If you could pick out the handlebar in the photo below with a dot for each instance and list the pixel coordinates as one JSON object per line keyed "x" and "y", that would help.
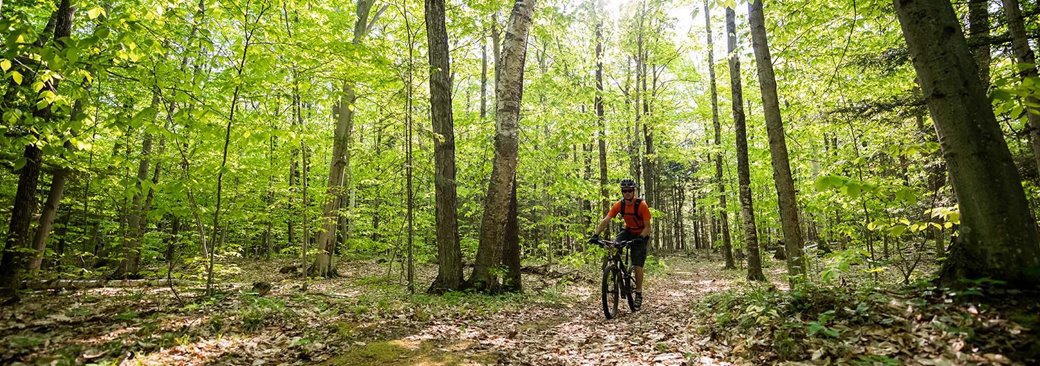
{"x": 610, "y": 243}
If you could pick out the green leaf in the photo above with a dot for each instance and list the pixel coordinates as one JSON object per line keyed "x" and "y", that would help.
{"x": 828, "y": 181}
{"x": 852, "y": 189}
{"x": 897, "y": 230}
{"x": 19, "y": 163}
{"x": 5, "y": 64}
{"x": 95, "y": 12}
{"x": 145, "y": 114}
{"x": 1000, "y": 94}
{"x": 833, "y": 333}
{"x": 16, "y": 77}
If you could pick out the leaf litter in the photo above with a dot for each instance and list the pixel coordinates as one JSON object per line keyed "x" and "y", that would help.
{"x": 694, "y": 313}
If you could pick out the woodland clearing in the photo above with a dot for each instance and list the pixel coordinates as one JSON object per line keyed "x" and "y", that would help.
{"x": 695, "y": 313}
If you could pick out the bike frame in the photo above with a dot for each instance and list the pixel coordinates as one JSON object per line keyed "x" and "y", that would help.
{"x": 618, "y": 253}
{"x": 618, "y": 256}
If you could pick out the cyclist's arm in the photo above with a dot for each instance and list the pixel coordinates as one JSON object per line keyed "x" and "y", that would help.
{"x": 646, "y": 230}
{"x": 603, "y": 224}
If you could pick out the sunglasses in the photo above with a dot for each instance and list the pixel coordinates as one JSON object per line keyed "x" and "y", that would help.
{"x": 627, "y": 190}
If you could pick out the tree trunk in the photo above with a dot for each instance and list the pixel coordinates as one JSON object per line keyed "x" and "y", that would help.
{"x": 305, "y": 184}
{"x": 598, "y": 105}
{"x": 408, "y": 138}
{"x": 483, "y": 74}
{"x": 132, "y": 242}
{"x": 339, "y": 164}
{"x": 978, "y": 28}
{"x": 509, "y": 92}
{"x": 747, "y": 210}
{"x": 50, "y": 210}
{"x": 449, "y": 253}
{"x": 649, "y": 182}
{"x": 997, "y": 238}
{"x": 785, "y": 191}
{"x": 323, "y": 262}
{"x": 294, "y": 176}
{"x": 637, "y": 155}
{"x": 18, "y": 240}
{"x": 727, "y": 243}
{"x": 511, "y": 242}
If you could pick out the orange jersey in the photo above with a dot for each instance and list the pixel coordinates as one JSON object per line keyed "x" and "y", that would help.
{"x": 633, "y": 225}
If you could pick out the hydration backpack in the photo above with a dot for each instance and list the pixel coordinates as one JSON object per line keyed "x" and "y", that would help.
{"x": 639, "y": 220}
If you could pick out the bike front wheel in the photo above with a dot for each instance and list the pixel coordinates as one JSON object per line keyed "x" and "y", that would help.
{"x": 611, "y": 290}
{"x": 627, "y": 291}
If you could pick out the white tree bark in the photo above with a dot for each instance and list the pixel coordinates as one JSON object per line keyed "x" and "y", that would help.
{"x": 508, "y": 91}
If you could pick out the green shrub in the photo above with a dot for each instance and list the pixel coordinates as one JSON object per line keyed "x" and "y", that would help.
{"x": 258, "y": 312}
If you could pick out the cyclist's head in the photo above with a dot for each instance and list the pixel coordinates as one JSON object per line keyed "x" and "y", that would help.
{"x": 628, "y": 186}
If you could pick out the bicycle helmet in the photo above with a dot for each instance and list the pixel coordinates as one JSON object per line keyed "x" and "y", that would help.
{"x": 628, "y": 183}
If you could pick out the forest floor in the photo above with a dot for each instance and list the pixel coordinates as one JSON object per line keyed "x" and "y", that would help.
{"x": 693, "y": 313}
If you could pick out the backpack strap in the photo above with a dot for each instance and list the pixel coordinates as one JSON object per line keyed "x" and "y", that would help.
{"x": 638, "y": 204}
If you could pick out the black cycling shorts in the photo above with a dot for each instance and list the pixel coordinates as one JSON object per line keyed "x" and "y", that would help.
{"x": 638, "y": 246}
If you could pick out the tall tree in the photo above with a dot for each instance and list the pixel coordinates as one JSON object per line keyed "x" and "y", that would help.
{"x": 508, "y": 95}
{"x": 131, "y": 250}
{"x": 727, "y": 244}
{"x": 58, "y": 179}
{"x": 649, "y": 156}
{"x": 598, "y": 104}
{"x": 637, "y": 142}
{"x": 340, "y": 162}
{"x": 449, "y": 253}
{"x": 998, "y": 237}
{"x": 249, "y": 30}
{"x": 777, "y": 143}
{"x": 17, "y": 244}
{"x": 747, "y": 211}
{"x": 409, "y": 92}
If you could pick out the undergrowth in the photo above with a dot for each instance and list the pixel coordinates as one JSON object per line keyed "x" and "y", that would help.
{"x": 872, "y": 326}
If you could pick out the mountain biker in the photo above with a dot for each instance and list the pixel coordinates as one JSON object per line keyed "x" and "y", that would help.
{"x": 636, "y": 214}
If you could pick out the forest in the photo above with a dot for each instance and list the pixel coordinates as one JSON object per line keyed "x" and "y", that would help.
{"x": 400, "y": 182}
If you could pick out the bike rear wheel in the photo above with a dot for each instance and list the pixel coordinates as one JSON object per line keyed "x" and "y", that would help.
{"x": 611, "y": 290}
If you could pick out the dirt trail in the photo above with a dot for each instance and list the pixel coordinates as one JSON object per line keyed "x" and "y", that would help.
{"x": 578, "y": 334}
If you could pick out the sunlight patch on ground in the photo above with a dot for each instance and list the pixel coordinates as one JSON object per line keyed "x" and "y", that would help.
{"x": 202, "y": 351}
{"x": 410, "y": 351}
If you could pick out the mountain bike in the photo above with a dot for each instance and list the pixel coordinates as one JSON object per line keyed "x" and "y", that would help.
{"x": 617, "y": 277}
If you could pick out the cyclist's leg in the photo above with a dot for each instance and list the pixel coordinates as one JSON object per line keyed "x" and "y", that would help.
{"x": 638, "y": 259}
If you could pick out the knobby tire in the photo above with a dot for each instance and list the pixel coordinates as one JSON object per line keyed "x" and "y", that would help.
{"x": 611, "y": 291}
